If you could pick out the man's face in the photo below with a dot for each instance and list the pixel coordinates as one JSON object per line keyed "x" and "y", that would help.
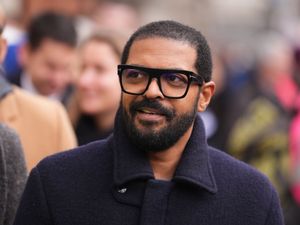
{"x": 154, "y": 122}
{"x": 50, "y": 66}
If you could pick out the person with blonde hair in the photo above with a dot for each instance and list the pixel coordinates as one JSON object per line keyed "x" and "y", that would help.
{"x": 97, "y": 95}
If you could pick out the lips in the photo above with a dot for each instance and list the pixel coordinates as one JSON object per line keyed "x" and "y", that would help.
{"x": 149, "y": 116}
{"x": 150, "y": 111}
{"x": 150, "y": 108}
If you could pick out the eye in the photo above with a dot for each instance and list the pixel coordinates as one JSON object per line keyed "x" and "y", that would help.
{"x": 134, "y": 75}
{"x": 175, "y": 79}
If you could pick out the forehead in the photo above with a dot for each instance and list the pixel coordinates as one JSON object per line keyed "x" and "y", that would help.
{"x": 96, "y": 45}
{"x": 52, "y": 47}
{"x": 98, "y": 53}
{"x": 49, "y": 44}
{"x": 160, "y": 52}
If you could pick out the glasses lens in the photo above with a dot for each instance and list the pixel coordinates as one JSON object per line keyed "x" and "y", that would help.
{"x": 134, "y": 81}
{"x": 174, "y": 84}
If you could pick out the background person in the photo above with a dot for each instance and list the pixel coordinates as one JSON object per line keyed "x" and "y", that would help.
{"x": 259, "y": 134}
{"x": 97, "y": 88}
{"x": 42, "y": 125}
{"x": 47, "y": 57}
{"x": 12, "y": 174}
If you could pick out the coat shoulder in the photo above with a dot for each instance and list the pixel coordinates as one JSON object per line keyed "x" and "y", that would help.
{"x": 39, "y": 103}
{"x": 236, "y": 178}
{"x": 249, "y": 190}
{"x": 92, "y": 156}
{"x": 226, "y": 168}
{"x": 45, "y": 113}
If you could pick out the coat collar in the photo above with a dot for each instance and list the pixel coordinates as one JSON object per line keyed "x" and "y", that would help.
{"x": 5, "y": 87}
{"x": 132, "y": 164}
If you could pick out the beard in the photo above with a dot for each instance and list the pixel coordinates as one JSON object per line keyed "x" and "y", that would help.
{"x": 150, "y": 140}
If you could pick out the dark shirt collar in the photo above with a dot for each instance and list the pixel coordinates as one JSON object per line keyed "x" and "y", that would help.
{"x": 194, "y": 167}
{"x": 5, "y": 87}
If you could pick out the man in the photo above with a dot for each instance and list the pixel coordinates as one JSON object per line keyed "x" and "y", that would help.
{"x": 42, "y": 125}
{"x": 48, "y": 56}
{"x": 156, "y": 168}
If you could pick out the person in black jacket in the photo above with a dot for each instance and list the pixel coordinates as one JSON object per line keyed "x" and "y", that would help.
{"x": 156, "y": 167}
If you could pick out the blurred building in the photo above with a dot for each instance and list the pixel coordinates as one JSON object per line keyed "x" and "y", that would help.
{"x": 232, "y": 19}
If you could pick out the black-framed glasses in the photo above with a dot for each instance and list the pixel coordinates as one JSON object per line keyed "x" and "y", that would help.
{"x": 172, "y": 83}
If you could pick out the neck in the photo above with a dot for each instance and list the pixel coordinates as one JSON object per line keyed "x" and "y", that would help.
{"x": 165, "y": 163}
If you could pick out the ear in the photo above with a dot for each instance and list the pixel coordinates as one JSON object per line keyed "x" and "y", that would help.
{"x": 206, "y": 93}
{"x": 3, "y": 49}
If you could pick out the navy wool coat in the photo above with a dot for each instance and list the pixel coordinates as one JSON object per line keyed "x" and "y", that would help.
{"x": 110, "y": 182}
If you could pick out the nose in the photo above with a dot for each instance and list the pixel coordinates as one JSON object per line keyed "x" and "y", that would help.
{"x": 85, "y": 79}
{"x": 153, "y": 90}
{"x": 60, "y": 78}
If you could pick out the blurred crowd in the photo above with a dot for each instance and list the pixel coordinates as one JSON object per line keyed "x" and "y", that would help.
{"x": 59, "y": 88}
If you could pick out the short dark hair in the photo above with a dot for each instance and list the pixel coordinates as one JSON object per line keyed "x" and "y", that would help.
{"x": 54, "y": 26}
{"x": 176, "y": 31}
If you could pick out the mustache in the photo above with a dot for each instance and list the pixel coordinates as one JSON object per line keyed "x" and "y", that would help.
{"x": 135, "y": 106}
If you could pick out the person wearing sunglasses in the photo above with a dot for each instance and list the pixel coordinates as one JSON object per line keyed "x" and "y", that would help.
{"x": 156, "y": 167}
